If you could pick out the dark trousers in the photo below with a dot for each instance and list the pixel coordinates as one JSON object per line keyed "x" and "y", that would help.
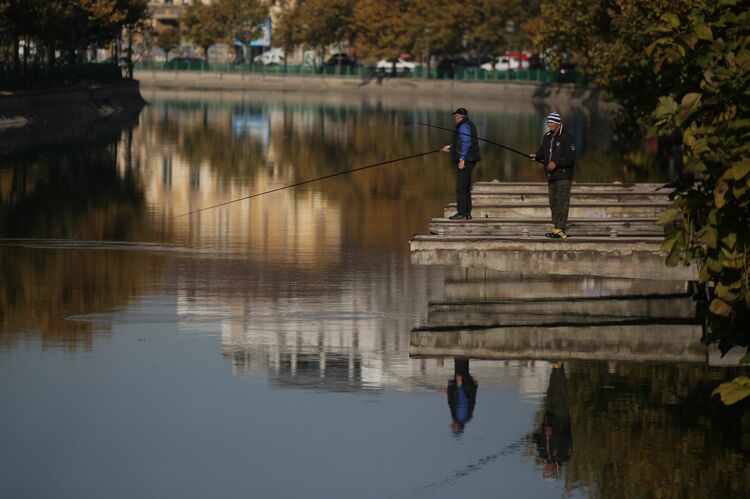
{"x": 463, "y": 188}
{"x": 559, "y": 202}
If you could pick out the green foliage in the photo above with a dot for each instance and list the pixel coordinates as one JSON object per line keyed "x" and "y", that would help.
{"x": 703, "y": 55}
{"x": 169, "y": 39}
{"x": 607, "y": 39}
{"x": 70, "y": 26}
{"x": 222, "y": 21}
{"x": 382, "y": 31}
{"x": 325, "y": 22}
{"x": 734, "y": 391}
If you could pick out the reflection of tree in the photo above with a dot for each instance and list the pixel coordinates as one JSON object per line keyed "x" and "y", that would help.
{"x": 74, "y": 193}
{"x": 654, "y": 431}
{"x": 41, "y": 289}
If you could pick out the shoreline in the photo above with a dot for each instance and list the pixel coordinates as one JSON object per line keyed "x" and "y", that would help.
{"x": 44, "y": 117}
{"x": 65, "y": 105}
{"x": 567, "y": 94}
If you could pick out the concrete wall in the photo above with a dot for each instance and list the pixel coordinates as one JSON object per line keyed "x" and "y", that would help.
{"x": 61, "y": 115}
{"x": 566, "y": 94}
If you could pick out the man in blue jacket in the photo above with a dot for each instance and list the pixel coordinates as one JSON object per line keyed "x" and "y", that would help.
{"x": 464, "y": 150}
{"x": 558, "y": 154}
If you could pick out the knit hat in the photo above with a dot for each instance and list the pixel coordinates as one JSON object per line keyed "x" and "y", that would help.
{"x": 461, "y": 111}
{"x": 554, "y": 118}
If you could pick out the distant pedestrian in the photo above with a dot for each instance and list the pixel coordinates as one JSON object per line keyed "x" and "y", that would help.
{"x": 464, "y": 150}
{"x": 558, "y": 153}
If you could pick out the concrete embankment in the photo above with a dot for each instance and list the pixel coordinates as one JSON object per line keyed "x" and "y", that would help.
{"x": 62, "y": 115}
{"x": 507, "y": 90}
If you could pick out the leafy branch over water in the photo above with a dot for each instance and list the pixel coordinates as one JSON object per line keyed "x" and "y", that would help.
{"x": 706, "y": 57}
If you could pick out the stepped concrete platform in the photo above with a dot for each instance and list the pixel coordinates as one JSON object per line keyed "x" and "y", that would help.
{"x": 553, "y": 310}
{"x": 577, "y": 210}
{"x": 496, "y": 186}
{"x": 523, "y": 227}
{"x": 626, "y": 342}
{"x": 542, "y": 196}
{"x": 499, "y": 287}
{"x": 638, "y": 258}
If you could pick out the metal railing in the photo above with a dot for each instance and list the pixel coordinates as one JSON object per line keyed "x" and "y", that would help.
{"x": 530, "y": 75}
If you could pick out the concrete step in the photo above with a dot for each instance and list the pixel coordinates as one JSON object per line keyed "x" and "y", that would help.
{"x": 497, "y": 186}
{"x": 542, "y": 196}
{"x": 513, "y": 287}
{"x": 638, "y": 258}
{"x": 623, "y": 342}
{"x": 612, "y": 227}
{"x": 542, "y": 210}
{"x": 560, "y": 311}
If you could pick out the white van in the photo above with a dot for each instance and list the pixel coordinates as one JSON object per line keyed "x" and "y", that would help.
{"x": 271, "y": 56}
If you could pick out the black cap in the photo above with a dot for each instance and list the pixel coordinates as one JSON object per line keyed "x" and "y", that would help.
{"x": 461, "y": 111}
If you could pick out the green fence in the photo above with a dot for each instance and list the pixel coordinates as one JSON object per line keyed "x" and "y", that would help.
{"x": 531, "y": 75}
{"x": 35, "y": 77}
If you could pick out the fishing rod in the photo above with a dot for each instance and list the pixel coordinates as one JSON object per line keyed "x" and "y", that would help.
{"x": 404, "y": 158}
{"x": 475, "y": 137}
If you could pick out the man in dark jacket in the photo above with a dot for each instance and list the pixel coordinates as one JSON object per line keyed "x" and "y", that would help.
{"x": 464, "y": 151}
{"x": 558, "y": 154}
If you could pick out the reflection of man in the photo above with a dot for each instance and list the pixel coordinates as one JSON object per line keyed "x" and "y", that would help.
{"x": 554, "y": 441}
{"x": 462, "y": 395}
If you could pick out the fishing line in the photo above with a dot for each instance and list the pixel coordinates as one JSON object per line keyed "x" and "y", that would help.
{"x": 310, "y": 181}
{"x": 476, "y": 137}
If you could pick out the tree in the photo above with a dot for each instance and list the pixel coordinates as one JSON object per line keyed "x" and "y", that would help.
{"x": 223, "y": 21}
{"x": 435, "y": 27}
{"x": 381, "y": 30}
{"x": 168, "y": 40}
{"x": 492, "y": 26}
{"x": 240, "y": 18}
{"x": 326, "y": 22}
{"x": 202, "y": 26}
{"x": 607, "y": 40}
{"x": 703, "y": 57}
{"x": 288, "y": 32}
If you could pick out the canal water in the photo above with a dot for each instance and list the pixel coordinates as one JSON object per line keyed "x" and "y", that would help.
{"x": 262, "y": 348}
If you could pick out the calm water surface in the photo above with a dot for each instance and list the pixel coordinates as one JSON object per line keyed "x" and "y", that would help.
{"x": 261, "y": 349}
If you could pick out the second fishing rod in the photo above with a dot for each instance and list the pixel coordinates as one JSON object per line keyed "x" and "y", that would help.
{"x": 502, "y": 146}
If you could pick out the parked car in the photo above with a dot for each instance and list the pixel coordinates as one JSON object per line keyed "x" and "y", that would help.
{"x": 505, "y": 63}
{"x": 402, "y": 66}
{"x": 340, "y": 60}
{"x": 186, "y": 63}
{"x": 270, "y": 57}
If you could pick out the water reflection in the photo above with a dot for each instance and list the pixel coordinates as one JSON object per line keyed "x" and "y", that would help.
{"x": 462, "y": 394}
{"x": 306, "y": 297}
{"x": 553, "y": 440}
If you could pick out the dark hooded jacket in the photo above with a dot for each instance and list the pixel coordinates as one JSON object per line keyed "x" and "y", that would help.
{"x": 561, "y": 149}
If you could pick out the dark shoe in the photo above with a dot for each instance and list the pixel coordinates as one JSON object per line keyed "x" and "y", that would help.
{"x": 457, "y": 216}
{"x": 468, "y": 217}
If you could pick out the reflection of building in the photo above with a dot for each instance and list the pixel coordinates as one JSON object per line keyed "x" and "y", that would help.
{"x": 187, "y": 169}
